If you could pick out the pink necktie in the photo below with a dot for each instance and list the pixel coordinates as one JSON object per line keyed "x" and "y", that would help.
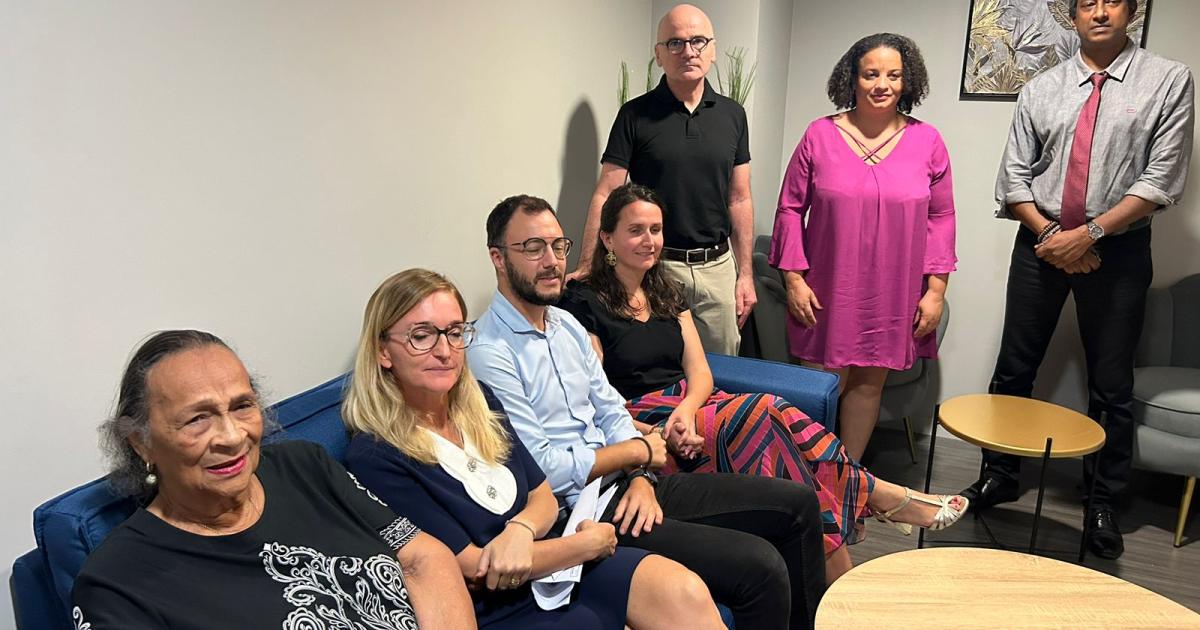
{"x": 1074, "y": 194}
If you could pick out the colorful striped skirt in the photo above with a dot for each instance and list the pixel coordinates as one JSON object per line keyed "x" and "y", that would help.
{"x": 765, "y": 435}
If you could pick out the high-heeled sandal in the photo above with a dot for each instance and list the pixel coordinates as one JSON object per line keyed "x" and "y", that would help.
{"x": 946, "y": 515}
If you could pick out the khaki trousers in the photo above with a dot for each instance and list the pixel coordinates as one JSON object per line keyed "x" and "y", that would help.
{"x": 709, "y": 291}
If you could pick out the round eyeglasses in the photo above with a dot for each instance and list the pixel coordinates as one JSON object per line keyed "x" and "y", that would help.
{"x": 535, "y": 248}
{"x": 423, "y": 337}
{"x": 676, "y": 46}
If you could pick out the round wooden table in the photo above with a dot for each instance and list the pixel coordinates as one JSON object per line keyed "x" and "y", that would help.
{"x": 1018, "y": 426}
{"x": 959, "y": 587}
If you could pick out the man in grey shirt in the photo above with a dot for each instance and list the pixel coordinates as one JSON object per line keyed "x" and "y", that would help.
{"x": 1098, "y": 144}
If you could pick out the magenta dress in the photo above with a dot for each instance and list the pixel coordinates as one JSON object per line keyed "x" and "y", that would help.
{"x": 873, "y": 233}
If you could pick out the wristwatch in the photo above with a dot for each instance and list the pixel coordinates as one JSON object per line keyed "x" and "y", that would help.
{"x": 1095, "y": 231}
{"x": 642, "y": 472}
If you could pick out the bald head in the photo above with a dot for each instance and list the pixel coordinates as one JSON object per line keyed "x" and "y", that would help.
{"x": 685, "y": 22}
{"x": 684, "y": 16}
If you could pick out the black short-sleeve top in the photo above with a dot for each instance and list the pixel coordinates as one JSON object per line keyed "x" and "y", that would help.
{"x": 687, "y": 157}
{"x": 639, "y": 357}
{"x": 437, "y": 503}
{"x": 322, "y": 555}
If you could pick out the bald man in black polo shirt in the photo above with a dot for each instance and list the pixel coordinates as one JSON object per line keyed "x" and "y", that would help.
{"x": 692, "y": 146}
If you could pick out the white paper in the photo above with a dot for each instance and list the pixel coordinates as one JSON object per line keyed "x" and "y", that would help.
{"x": 554, "y": 590}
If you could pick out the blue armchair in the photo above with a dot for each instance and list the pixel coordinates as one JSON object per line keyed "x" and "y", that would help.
{"x": 68, "y": 527}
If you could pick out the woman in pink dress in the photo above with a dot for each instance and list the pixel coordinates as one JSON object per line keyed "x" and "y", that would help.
{"x": 866, "y": 276}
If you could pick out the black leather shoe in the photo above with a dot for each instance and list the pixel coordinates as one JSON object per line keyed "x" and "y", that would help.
{"x": 991, "y": 490}
{"x": 1103, "y": 537}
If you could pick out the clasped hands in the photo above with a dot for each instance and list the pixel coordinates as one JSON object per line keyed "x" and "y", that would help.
{"x": 1069, "y": 250}
{"x": 506, "y": 561}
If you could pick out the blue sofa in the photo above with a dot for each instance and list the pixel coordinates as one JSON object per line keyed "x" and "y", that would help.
{"x": 68, "y": 527}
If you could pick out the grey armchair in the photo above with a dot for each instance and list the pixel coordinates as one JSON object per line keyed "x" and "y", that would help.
{"x": 906, "y": 394}
{"x": 1166, "y": 388}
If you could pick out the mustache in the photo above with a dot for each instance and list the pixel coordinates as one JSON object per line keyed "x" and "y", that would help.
{"x": 549, "y": 274}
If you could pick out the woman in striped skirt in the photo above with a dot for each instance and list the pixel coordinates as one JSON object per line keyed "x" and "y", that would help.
{"x": 651, "y": 352}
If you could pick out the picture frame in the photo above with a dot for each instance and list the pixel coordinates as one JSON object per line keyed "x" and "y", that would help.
{"x": 1009, "y": 42}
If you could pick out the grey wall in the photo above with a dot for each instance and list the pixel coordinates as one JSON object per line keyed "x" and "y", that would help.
{"x": 255, "y": 169}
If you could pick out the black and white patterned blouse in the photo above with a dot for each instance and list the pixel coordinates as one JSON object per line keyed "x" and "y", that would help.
{"x": 322, "y": 556}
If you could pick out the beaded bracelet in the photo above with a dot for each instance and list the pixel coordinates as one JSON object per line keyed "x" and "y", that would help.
{"x": 1051, "y": 229}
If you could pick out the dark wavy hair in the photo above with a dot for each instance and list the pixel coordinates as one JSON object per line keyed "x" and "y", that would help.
{"x": 845, "y": 73}
{"x": 1073, "y": 7}
{"x": 663, "y": 294}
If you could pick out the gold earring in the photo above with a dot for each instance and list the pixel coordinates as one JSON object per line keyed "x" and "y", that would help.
{"x": 610, "y": 258}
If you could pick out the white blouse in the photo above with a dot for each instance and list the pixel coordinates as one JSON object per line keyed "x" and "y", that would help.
{"x": 492, "y": 486}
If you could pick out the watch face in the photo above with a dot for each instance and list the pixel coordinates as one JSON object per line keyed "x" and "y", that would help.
{"x": 1095, "y": 231}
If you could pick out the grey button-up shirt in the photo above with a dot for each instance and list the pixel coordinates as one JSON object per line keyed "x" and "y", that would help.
{"x": 1142, "y": 142}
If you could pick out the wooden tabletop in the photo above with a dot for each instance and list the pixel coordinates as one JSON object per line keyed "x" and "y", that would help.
{"x": 964, "y": 588}
{"x": 1020, "y": 426}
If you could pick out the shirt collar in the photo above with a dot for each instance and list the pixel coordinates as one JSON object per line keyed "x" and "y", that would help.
{"x": 515, "y": 321}
{"x": 1116, "y": 69}
{"x": 663, "y": 93}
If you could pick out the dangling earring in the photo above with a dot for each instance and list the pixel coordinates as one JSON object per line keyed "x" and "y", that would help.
{"x": 151, "y": 478}
{"x": 610, "y": 258}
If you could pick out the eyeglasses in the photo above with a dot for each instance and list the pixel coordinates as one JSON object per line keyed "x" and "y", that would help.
{"x": 423, "y": 337}
{"x": 698, "y": 43}
{"x": 535, "y": 248}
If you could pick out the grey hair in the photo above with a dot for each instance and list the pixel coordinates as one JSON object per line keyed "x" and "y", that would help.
{"x": 131, "y": 417}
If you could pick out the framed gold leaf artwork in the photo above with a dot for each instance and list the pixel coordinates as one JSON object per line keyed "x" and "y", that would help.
{"x": 1011, "y": 41}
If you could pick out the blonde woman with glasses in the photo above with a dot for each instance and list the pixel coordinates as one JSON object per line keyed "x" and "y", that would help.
{"x": 430, "y": 438}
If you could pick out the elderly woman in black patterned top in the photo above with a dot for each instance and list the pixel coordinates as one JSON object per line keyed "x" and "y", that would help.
{"x": 238, "y": 535}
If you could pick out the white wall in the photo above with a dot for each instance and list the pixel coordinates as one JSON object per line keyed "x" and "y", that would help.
{"x": 975, "y": 133}
{"x": 256, "y": 169}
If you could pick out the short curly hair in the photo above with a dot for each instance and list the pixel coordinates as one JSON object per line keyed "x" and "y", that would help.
{"x": 1073, "y": 7}
{"x": 842, "y": 80}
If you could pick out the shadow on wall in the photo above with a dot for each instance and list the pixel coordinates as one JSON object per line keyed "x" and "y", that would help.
{"x": 1176, "y": 247}
{"x": 580, "y": 167}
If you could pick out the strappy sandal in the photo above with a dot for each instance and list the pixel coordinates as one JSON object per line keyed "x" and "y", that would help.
{"x": 946, "y": 515}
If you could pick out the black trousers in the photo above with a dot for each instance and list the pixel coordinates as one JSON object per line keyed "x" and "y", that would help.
{"x": 755, "y": 541}
{"x": 1110, "y": 304}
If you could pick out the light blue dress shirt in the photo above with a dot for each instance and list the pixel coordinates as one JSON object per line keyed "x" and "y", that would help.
{"x": 553, "y": 389}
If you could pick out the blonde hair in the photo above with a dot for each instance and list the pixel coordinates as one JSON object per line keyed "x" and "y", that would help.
{"x": 375, "y": 402}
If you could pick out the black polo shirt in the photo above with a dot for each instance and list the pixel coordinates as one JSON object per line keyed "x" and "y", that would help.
{"x": 686, "y": 157}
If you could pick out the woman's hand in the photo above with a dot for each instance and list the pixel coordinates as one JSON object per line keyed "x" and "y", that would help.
{"x": 638, "y": 512}
{"x": 599, "y": 539}
{"x": 507, "y": 560}
{"x": 802, "y": 302}
{"x": 929, "y": 313}
{"x": 680, "y": 433}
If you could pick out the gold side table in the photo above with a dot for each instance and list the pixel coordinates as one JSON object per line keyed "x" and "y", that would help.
{"x": 1019, "y": 426}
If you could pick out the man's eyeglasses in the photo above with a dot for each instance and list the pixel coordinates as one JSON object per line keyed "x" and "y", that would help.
{"x": 535, "y": 248}
{"x": 423, "y": 337}
{"x": 676, "y": 46}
